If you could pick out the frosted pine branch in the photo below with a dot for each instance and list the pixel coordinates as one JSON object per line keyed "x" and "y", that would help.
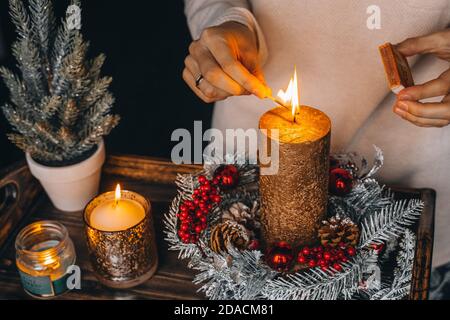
{"x": 389, "y": 222}
{"x": 316, "y": 284}
{"x": 21, "y": 19}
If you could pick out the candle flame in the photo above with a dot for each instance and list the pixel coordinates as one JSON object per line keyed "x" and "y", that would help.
{"x": 118, "y": 194}
{"x": 291, "y": 96}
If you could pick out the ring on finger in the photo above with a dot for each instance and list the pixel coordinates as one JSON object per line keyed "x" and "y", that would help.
{"x": 198, "y": 80}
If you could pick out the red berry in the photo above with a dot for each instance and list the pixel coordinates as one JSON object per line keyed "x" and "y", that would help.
{"x": 322, "y": 263}
{"x": 201, "y": 179}
{"x": 327, "y": 256}
{"x": 337, "y": 267}
{"x": 198, "y": 229}
{"x": 342, "y": 245}
{"x": 344, "y": 259}
{"x": 319, "y": 255}
{"x": 351, "y": 251}
{"x": 319, "y": 249}
{"x": 203, "y": 219}
{"x": 254, "y": 245}
{"x": 184, "y": 216}
{"x": 301, "y": 259}
{"x": 184, "y": 227}
{"x": 324, "y": 268}
{"x": 216, "y": 180}
{"x": 199, "y": 213}
{"x": 217, "y": 199}
{"x": 206, "y": 188}
{"x": 312, "y": 263}
{"x": 205, "y": 198}
{"x": 306, "y": 251}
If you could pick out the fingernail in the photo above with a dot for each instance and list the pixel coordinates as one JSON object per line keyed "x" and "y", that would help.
{"x": 404, "y": 97}
{"x": 400, "y": 112}
{"x": 402, "y": 105}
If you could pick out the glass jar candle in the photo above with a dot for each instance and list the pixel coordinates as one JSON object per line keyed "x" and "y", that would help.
{"x": 44, "y": 252}
{"x": 121, "y": 238}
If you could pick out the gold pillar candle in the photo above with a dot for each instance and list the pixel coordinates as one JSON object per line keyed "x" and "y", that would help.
{"x": 121, "y": 238}
{"x": 294, "y": 200}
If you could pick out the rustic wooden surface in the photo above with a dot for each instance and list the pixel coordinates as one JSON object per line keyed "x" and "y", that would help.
{"x": 26, "y": 203}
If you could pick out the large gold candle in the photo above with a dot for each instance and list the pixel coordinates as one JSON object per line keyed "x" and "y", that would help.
{"x": 294, "y": 200}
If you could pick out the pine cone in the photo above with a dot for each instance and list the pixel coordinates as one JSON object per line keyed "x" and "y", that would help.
{"x": 228, "y": 233}
{"x": 337, "y": 230}
{"x": 240, "y": 213}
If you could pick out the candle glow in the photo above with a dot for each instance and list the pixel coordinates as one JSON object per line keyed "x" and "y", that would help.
{"x": 118, "y": 213}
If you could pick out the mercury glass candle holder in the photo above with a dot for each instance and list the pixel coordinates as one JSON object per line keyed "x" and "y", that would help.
{"x": 126, "y": 258}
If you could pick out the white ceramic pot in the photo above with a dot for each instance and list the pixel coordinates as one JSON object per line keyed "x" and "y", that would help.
{"x": 71, "y": 188}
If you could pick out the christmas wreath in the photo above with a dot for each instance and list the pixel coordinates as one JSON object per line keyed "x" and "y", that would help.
{"x": 214, "y": 222}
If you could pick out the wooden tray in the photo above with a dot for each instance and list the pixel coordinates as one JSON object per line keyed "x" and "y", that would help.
{"x": 22, "y": 201}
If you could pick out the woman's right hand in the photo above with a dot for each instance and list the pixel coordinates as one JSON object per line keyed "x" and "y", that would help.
{"x": 225, "y": 60}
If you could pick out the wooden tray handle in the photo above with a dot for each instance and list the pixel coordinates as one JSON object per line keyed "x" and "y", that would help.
{"x": 9, "y": 195}
{"x": 18, "y": 193}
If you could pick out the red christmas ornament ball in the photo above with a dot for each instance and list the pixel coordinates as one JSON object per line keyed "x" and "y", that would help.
{"x": 341, "y": 182}
{"x": 280, "y": 256}
{"x": 227, "y": 176}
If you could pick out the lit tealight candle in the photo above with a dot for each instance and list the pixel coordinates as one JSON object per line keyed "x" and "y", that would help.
{"x": 117, "y": 214}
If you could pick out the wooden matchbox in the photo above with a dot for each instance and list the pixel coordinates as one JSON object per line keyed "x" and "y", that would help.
{"x": 396, "y": 67}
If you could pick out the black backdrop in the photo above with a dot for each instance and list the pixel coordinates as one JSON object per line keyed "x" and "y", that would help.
{"x": 145, "y": 43}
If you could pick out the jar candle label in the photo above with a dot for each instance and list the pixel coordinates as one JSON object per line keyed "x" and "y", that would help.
{"x": 43, "y": 286}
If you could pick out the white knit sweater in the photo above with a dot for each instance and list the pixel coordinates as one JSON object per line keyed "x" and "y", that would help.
{"x": 341, "y": 73}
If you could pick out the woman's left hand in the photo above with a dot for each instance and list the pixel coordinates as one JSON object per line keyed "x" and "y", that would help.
{"x": 408, "y": 105}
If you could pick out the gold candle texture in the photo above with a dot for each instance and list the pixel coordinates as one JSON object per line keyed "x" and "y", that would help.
{"x": 294, "y": 201}
{"x": 121, "y": 238}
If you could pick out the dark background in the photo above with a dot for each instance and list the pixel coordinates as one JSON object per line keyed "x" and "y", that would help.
{"x": 145, "y": 43}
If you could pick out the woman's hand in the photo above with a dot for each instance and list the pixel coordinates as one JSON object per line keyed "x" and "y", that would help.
{"x": 408, "y": 105}
{"x": 224, "y": 62}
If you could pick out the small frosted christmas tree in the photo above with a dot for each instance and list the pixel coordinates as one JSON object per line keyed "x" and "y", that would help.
{"x": 60, "y": 106}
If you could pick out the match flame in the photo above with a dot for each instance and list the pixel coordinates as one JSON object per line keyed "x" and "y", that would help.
{"x": 118, "y": 194}
{"x": 290, "y": 96}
